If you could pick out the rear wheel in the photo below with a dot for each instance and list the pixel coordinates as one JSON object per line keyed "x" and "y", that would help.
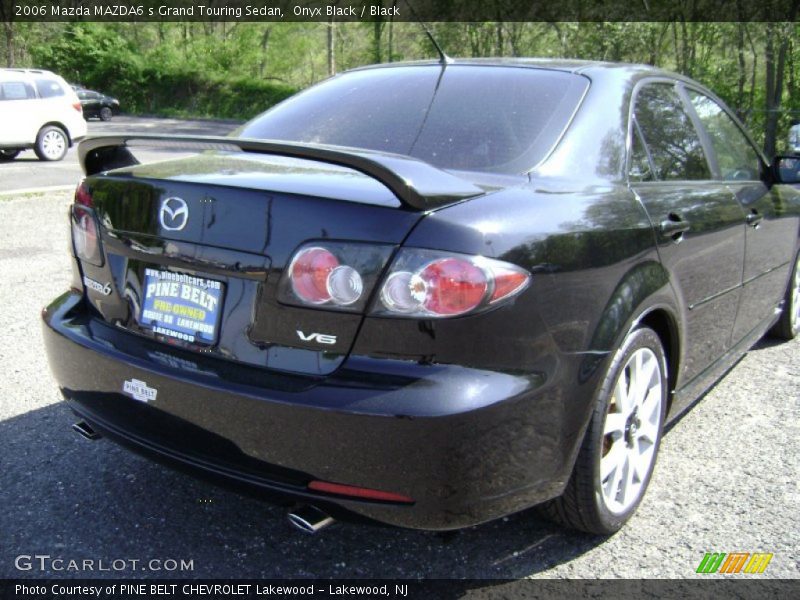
{"x": 51, "y": 143}
{"x": 6, "y": 155}
{"x": 106, "y": 114}
{"x": 788, "y": 326}
{"x": 619, "y": 450}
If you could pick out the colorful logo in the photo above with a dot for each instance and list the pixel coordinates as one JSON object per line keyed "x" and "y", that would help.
{"x": 734, "y": 562}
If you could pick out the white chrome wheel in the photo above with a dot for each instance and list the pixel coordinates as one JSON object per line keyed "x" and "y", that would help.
{"x": 631, "y": 430}
{"x": 53, "y": 144}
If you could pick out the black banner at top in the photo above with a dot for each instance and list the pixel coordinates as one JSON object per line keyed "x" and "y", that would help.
{"x": 399, "y": 10}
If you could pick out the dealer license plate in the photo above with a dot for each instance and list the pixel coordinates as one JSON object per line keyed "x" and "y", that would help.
{"x": 182, "y": 306}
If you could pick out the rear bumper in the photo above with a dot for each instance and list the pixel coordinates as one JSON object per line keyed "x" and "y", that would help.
{"x": 467, "y": 445}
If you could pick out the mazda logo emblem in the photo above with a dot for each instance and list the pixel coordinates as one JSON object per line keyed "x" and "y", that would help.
{"x": 174, "y": 214}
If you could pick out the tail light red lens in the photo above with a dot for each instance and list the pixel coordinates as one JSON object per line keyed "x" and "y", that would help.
{"x": 333, "y": 275}
{"x": 507, "y": 282}
{"x": 452, "y": 286}
{"x": 426, "y": 283}
{"x": 309, "y": 273}
{"x": 77, "y": 106}
{"x": 340, "y": 489}
{"x": 85, "y": 231}
{"x": 82, "y": 195}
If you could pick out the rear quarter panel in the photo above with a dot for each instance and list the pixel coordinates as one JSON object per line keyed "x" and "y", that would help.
{"x": 580, "y": 245}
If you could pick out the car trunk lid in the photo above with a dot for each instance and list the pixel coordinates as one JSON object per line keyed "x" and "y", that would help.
{"x": 205, "y": 240}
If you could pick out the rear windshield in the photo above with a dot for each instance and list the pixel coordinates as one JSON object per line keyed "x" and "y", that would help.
{"x": 499, "y": 119}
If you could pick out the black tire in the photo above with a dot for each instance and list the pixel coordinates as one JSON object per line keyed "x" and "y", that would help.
{"x": 584, "y": 505}
{"x": 9, "y": 154}
{"x": 51, "y": 143}
{"x": 106, "y": 113}
{"x": 788, "y": 326}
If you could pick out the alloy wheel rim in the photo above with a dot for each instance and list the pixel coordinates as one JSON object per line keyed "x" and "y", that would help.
{"x": 53, "y": 144}
{"x": 795, "y": 299}
{"x": 630, "y": 431}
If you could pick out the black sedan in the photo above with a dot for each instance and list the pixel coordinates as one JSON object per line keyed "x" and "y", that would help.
{"x": 96, "y": 105}
{"x": 428, "y": 294}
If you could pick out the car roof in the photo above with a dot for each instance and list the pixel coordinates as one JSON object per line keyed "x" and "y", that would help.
{"x": 24, "y": 73}
{"x": 592, "y": 68}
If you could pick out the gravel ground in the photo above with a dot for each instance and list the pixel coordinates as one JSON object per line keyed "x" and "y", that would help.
{"x": 727, "y": 478}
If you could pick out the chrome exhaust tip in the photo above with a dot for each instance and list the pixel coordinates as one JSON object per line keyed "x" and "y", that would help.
{"x": 309, "y": 519}
{"x": 83, "y": 428}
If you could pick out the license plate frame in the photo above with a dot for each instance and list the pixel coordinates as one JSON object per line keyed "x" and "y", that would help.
{"x": 182, "y": 306}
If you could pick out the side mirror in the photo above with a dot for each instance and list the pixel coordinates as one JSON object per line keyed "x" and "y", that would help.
{"x": 786, "y": 168}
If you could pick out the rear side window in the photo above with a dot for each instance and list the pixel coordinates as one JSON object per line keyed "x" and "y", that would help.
{"x": 736, "y": 158}
{"x": 497, "y": 119}
{"x": 49, "y": 88}
{"x": 671, "y": 139}
{"x": 640, "y": 168}
{"x": 16, "y": 90}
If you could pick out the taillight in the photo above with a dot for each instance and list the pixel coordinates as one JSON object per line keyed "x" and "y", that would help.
{"x": 77, "y": 106}
{"x": 425, "y": 283}
{"x": 333, "y": 275}
{"x": 82, "y": 194}
{"x": 451, "y": 286}
{"x": 310, "y": 272}
{"x": 85, "y": 231}
{"x": 420, "y": 283}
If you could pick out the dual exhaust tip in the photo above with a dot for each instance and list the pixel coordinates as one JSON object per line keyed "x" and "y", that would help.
{"x": 307, "y": 518}
{"x": 85, "y": 430}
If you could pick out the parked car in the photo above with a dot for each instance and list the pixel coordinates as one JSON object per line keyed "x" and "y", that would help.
{"x": 97, "y": 105}
{"x": 794, "y": 138}
{"x": 40, "y": 111}
{"x": 429, "y": 294}
{"x": 789, "y": 167}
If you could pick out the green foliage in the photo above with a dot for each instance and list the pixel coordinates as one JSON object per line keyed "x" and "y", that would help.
{"x": 239, "y": 69}
{"x": 159, "y": 82}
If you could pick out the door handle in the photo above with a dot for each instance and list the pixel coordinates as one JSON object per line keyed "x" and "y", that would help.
{"x": 754, "y": 218}
{"x": 674, "y": 227}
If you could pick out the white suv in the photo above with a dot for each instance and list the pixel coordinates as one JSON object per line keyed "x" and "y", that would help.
{"x": 38, "y": 110}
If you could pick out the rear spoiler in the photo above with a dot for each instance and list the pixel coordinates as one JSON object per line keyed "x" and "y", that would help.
{"x": 417, "y": 184}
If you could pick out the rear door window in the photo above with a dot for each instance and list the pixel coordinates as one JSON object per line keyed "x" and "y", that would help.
{"x": 16, "y": 90}
{"x": 736, "y": 157}
{"x": 49, "y": 88}
{"x": 640, "y": 168}
{"x": 672, "y": 141}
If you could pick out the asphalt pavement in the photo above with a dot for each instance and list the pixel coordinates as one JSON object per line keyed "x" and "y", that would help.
{"x": 726, "y": 479}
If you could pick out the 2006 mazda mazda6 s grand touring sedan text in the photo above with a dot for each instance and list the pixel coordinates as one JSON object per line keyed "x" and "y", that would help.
{"x": 428, "y": 294}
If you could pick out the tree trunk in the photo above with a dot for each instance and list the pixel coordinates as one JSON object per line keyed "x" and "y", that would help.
{"x": 390, "y": 40}
{"x": 331, "y": 48}
{"x": 742, "y": 79}
{"x": 9, "y": 27}
{"x": 262, "y": 63}
{"x": 775, "y": 63}
{"x": 376, "y": 41}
